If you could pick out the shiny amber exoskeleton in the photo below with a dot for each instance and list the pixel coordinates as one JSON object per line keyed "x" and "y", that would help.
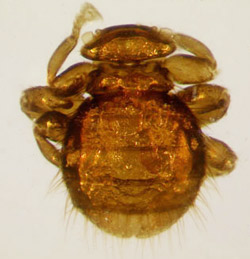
{"x": 132, "y": 155}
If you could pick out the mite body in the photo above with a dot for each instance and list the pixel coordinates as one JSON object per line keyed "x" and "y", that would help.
{"x": 133, "y": 156}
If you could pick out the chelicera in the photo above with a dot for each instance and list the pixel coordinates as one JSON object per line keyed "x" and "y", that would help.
{"x": 132, "y": 153}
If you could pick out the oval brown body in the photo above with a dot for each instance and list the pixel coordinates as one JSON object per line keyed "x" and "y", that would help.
{"x": 132, "y": 155}
{"x": 134, "y": 161}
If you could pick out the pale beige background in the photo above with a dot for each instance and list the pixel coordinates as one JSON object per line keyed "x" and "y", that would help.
{"x": 32, "y": 223}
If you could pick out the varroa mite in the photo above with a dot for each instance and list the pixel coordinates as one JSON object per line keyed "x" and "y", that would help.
{"x": 132, "y": 153}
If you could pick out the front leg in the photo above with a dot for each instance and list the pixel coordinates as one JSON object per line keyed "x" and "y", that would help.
{"x": 189, "y": 69}
{"x": 65, "y": 92}
{"x": 87, "y": 13}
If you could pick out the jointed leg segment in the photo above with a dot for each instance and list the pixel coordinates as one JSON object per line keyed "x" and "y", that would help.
{"x": 87, "y": 13}
{"x": 189, "y": 69}
{"x": 51, "y": 106}
{"x": 220, "y": 158}
{"x": 51, "y": 126}
{"x": 207, "y": 102}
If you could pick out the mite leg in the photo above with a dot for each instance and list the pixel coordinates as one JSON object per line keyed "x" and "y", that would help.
{"x": 39, "y": 100}
{"x": 87, "y": 13}
{"x": 207, "y": 102}
{"x": 65, "y": 93}
{"x": 49, "y": 127}
{"x": 189, "y": 69}
{"x": 220, "y": 158}
{"x": 74, "y": 79}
